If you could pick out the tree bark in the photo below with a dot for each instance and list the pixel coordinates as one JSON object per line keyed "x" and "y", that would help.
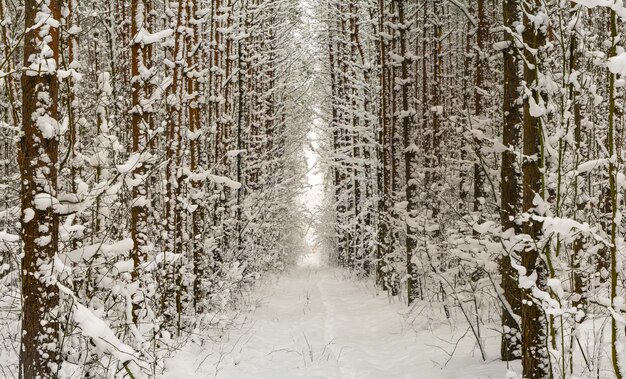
{"x": 410, "y": 156}
{"x": 38, "y": 157}
{"x": 535, "y": 359}
{"x": 139, "y": 216}
{"x": 615, "y": 333}
{"x": 510, "y": 184}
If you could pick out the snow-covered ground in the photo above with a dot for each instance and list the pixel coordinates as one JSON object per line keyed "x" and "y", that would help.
{"x": 315, "y": 322}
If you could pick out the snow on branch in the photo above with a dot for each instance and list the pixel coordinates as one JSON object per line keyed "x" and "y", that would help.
{"x": 146, "y": 38}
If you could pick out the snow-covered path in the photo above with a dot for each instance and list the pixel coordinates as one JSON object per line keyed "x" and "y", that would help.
{"x": 313, "y": 323}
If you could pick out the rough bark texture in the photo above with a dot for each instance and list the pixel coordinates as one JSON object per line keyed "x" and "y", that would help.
{"x": 482, "y": 34}
{"x": 534, "y": 340}
{"x": 615, "y": 334}
{"x": 410, "y": 158}
{"x": 385, "y": 235}
{"x": 38, "y": 156}
{"x": 510, "y": 188}
{"x": 139, "y": 217}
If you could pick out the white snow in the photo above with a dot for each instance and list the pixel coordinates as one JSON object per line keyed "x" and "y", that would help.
{"x": 485, "y": 227}
{"x": 44, "y": 201}
{"x": 226, "y": 181}
{"x": 234, "y": 153}
{"x": 110, "y": 250}
{"x": 123, "y": 266}
{"x": 6, "y": 237}
{"x": 617, "y": 6}
{"x": 536, "y": 109}
{"x": 101, "y": 335}
{"x": 617, "y": 64}
{"x": 591, "y": 165}
{"x": 153, "y": 264}
{"x": 130, "y": 164}
{"x": 316, "y": 323}
{"x": 146, "y": 38}
{"x": 29, "y": 214}
{"x": 48, "y": 126}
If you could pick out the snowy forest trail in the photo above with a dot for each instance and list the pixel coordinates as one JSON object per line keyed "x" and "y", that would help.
{"x": 316, "y": 323}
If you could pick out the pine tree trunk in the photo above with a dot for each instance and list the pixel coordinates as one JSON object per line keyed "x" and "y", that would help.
{"x": 410, "y": 157}
{"x": 38, "y": 157}
{"x": 535, "y": 359}
{"x": 139, "y": 217}
{"x": 510, "y": 184}
{"x": 172, "y": 212}
{"x": 196, "y": 161}
{"x": 482, "y": 34}
{"x": 384, "y": 239}
{"x": 615, "y": 333}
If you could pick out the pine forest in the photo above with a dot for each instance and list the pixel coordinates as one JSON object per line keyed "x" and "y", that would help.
{"x": 334, "y": 189}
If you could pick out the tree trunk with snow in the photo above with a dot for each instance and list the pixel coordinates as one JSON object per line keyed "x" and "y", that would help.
{"x": 406, "y": 116}
{"x": 139, "y": 124}
{"x": 38, "y": 158}
{"x": 535, "y": 359}
{"x": 617, "y": 330}
{"x": 510, "y": 184}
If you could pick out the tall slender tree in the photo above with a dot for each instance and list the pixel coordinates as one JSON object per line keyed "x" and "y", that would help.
{"x": 535, "y": 360}
{"x": 38, "y": 158}
{"x": 510, "y": 182}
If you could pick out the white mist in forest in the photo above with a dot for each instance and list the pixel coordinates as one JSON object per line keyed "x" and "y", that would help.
{"x": 312, "y": 198}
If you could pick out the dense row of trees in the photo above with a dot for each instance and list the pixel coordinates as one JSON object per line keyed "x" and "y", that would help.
{"x": 150, "y": 170}
{"x": 474, "y": 154}
{"x": 152, "y": 160}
